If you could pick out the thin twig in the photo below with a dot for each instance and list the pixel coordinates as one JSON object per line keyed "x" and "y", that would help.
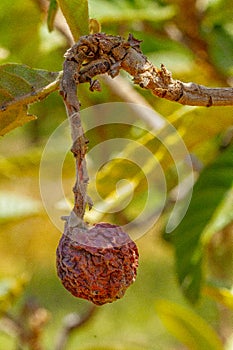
{"x": 72, "y": 322}
{"x": 27, "y": 327}
{"x": 68, "y": 90}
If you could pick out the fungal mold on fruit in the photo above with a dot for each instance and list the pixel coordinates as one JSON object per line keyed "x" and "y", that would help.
{"x": 97, "y": 264}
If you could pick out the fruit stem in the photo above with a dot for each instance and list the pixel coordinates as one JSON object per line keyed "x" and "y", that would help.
{"x": 68, "y": 90}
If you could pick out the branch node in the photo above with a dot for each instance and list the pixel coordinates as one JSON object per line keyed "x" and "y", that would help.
{"x": 101, "y": 53}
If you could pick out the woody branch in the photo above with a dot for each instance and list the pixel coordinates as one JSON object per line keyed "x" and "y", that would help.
{"x": 100, "y": 53}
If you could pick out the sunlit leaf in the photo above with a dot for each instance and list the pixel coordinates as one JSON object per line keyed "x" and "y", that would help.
{"x": 208, "y": 194}
{"x": 221, "y": 295}
{"x": 20, "y": 86}
{"x": 76, "y": 15}
{"x": 189, "y": 328}
{"x": 14, "y": 117}
{"x": 223, "y": 216}
{"x": 196, "y": 130}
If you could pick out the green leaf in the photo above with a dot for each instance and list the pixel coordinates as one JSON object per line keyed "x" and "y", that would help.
{"x": 189, "y": 328}
{"x": 121, "y": 11}
{"x": 221, "y": 49}
{"x": 53, "y": 7}
{"x": 20, "y": 86}
{"x": 209, "y": 193}
{"x": 76, "y": 15}
{"x": 223, "y": 216}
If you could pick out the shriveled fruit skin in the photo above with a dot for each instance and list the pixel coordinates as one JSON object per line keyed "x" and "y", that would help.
{"x": 98, "y": 264}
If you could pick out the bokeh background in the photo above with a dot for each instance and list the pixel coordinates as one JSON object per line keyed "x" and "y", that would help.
{"x": 194, "y": 39}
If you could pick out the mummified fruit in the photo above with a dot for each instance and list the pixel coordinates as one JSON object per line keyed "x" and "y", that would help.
{"x": 97, "y": 264}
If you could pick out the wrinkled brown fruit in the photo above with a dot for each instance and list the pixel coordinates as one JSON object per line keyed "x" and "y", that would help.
{"x": 97, "y": 264}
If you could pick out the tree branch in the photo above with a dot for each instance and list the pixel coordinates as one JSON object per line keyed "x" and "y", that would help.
{"x": 100, "y": 53}
{"x": 71, "y": 323}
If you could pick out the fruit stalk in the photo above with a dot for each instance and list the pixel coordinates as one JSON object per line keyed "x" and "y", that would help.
{"x": 99, "y": 263}
{"x": 68, "y": 90}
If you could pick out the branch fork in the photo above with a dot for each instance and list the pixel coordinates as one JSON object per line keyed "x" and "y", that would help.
{"x": 100, "y": 53}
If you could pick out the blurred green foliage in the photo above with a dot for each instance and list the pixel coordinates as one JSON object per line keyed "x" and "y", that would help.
{"x": 189, "y": 328}
{"x": 201, "y": 214}
{"x": 77, "y": 17}
{"x": 195, "y": 49}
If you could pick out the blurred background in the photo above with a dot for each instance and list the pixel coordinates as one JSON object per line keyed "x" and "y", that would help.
{"x": 194, "y": 39}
